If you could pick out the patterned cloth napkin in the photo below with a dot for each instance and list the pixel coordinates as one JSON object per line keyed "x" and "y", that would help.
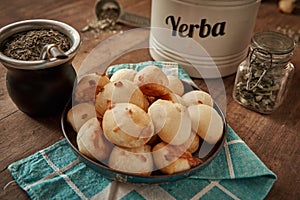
{"x": 57, "y": 173}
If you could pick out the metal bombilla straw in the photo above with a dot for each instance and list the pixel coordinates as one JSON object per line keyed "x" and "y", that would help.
{"x": 52, "y": 51}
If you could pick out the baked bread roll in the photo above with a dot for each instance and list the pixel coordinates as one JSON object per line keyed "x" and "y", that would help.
{"x": 197, "y": 97}
{"x": 91, "y": 142}
{"x": 122, "y": 91}
{"x": 192, "y": 144}
{"x": 127, "y": 125}
{"x": 175, "y": 85}
{"x": 86, "y": 88}
{"x": 79, "y": 114}
{"x": 151, "y": 74}
{"x": 171, "y": 121}
{"x": 152, "y": 81}
{"x": 122, "y": 74}
{"x": 286, "y": 6}
{"x": 171, "y": 159}
{"x": 206, "y": 122}
{"x": 132, "y": 160}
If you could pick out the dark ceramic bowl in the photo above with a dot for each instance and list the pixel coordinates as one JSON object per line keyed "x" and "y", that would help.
{"x": 209, "y": 152}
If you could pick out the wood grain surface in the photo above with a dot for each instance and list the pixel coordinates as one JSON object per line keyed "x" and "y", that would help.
{"x": 274, "y": 138}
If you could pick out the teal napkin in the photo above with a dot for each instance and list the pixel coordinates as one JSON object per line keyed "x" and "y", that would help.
{"x": 57, "y": 173}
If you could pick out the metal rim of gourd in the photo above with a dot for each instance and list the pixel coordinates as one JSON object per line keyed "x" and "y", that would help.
{"x": 25, "y": 25}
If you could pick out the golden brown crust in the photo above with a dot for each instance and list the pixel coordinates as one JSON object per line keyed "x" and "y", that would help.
{"x": 103, "y": 80}
{"x": 155, "y": 90}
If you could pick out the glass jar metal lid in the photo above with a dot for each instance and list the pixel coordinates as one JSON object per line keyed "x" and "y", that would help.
{"x": 273, "y": 42}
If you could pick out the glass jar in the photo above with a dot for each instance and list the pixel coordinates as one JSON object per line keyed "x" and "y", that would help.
{"x": 263, "y": 77}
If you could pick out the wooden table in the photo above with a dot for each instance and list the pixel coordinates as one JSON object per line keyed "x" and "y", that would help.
{"x": 274, "y": 138}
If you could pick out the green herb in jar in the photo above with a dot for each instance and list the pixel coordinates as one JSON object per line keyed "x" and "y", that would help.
{"x": 259, "y": 88}
{"x": 262, "y": 78}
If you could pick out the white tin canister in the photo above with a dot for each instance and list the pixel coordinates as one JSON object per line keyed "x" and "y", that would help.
{"x": 209, "y": 38}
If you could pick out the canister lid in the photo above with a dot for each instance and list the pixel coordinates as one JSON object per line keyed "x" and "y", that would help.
{"x": 220, "y": 2}
{"x": 273, "y": 42}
